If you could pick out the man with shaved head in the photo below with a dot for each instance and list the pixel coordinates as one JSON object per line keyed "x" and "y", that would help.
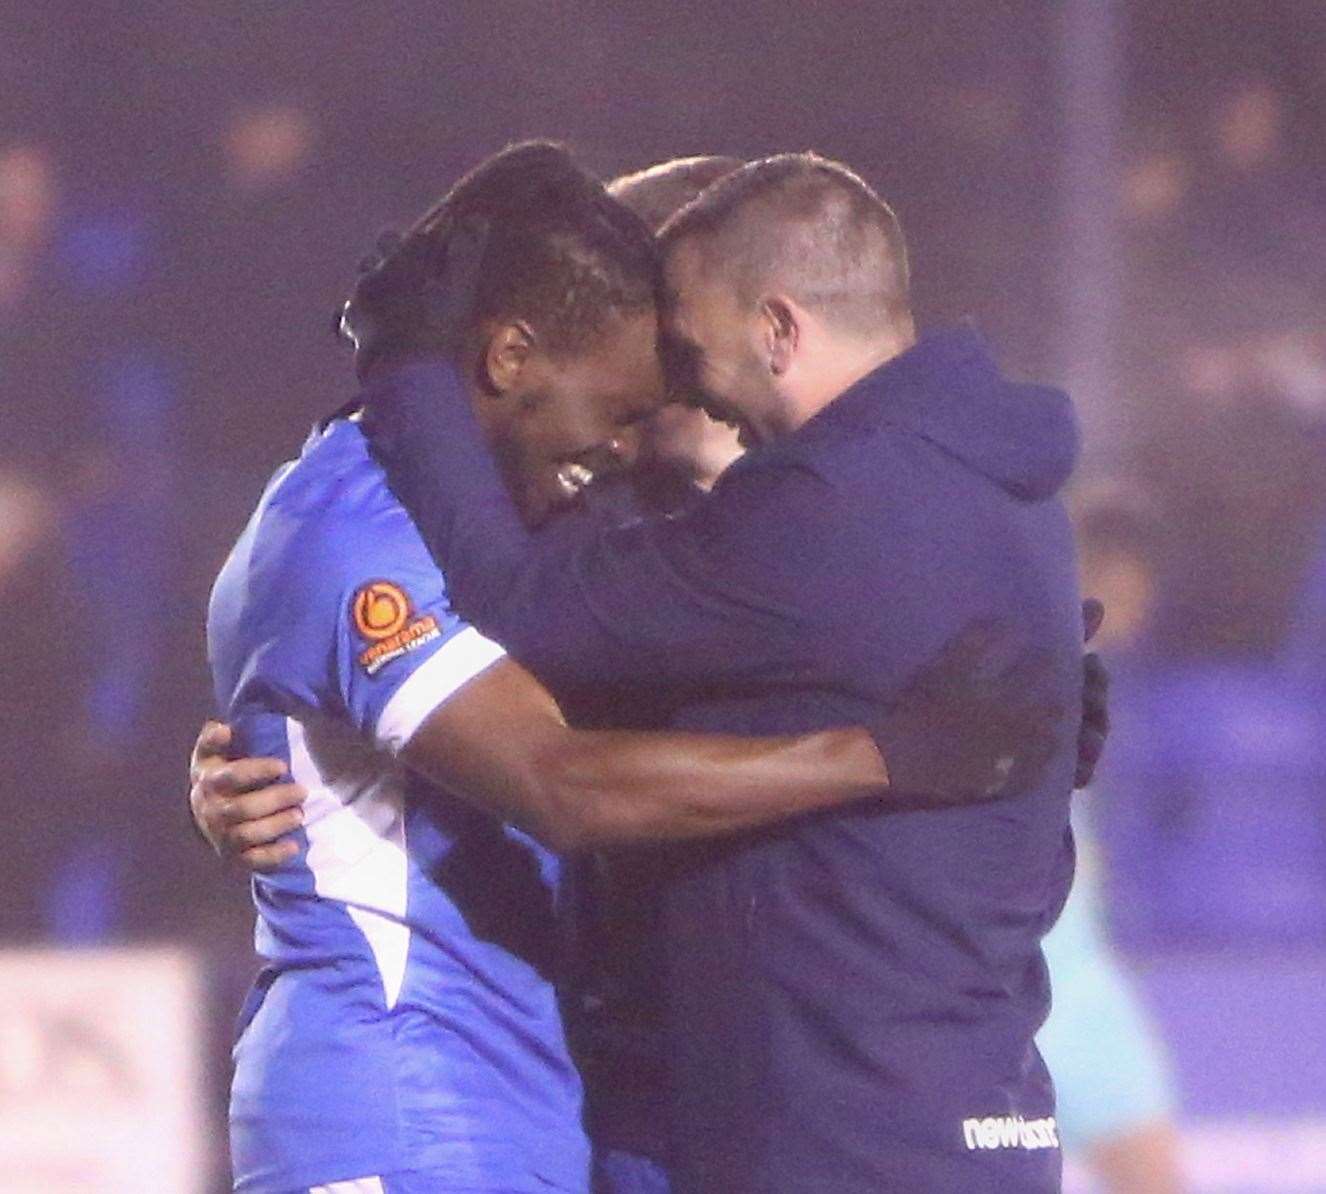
{"x": 814, "y": 229}
{"x": 809, "y": 248}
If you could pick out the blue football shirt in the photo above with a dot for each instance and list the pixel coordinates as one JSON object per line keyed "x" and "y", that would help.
{"x": 406, "y": 1017}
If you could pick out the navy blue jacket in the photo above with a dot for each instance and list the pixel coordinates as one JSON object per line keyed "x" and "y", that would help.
{"x": 851, "y": 999}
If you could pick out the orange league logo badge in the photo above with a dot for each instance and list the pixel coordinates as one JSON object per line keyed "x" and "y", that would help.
{"x": 382, "y": 614}
{"x": 380, "y": 610}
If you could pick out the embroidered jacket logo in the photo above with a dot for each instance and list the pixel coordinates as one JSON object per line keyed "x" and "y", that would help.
{"x": 1010, "y": 1131}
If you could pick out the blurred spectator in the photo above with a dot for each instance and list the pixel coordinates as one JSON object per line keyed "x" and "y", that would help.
{"x": 1210, "y": 789}
{"x": 1116, "y": 1101}
{"x": 37, "y": 699}
{"x": 1242, "y": 484}
{"x": 26, "y": 519}
{"x": 124, "y": 539}
{"x": 27, "y": 211}
{"x": 1249, "y": 126}
{"x": 1135, "y": 803}
{"x": 1154, "y": 185}
{"x": 264, "y": 147}
{"x": 27, "y": 197}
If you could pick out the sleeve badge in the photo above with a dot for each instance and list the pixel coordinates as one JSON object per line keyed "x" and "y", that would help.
{"x": 383, "y": 616}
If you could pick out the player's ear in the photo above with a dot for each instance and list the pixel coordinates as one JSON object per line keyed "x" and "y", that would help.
{"x": 780, "y": 330}
{"x": 506, "y": 357}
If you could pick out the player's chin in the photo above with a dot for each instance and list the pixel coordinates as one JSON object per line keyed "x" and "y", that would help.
{"x": 543, "y": 498}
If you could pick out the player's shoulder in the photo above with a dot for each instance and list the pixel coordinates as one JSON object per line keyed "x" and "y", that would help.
{"x": 332, "y": 482}
{"x": 334, "y": 504}
{"x": 329, "y": 523}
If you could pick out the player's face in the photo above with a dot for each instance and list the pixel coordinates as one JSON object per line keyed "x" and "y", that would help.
{"x": 579, "y": 416}
{"x": 710, "y": 347}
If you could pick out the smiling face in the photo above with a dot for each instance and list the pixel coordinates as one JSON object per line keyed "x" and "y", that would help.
{"x": 711, "y": 347}
{"x": 557, "y": 420}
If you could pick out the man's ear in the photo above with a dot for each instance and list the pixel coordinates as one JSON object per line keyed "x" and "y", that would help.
{"x": 782, "y": 332}
{"x": 506, "y": 356}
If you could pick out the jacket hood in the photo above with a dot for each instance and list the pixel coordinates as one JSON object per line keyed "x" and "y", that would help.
{"x": 948, "y": 389}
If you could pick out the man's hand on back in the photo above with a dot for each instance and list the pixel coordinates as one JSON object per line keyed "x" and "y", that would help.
{"x": 965, "y": 731}
{"x": 241, "y": 807}
{"x": 1095, "y": 699}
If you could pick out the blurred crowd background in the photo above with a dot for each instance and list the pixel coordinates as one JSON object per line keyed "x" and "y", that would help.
{"x": 1134, "y": 204}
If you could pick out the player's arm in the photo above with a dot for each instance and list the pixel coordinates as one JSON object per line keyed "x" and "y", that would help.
{"x": 501, "y": 742}
{"x": 960, "y": 732}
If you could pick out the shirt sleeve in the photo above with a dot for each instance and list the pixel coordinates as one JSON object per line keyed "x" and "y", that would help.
{"x": 401, "y": 650}
{"x": 729, "y": 593}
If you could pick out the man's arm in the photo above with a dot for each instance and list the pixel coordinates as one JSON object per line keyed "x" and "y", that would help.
{"x": 715, "y": 597}
{"x": 500, "y": 741}
{"x": 503, "y": 746}
{"x": 242, "y": 808}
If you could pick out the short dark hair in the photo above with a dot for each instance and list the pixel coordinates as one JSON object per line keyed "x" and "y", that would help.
{"x": 810, "y": 224}
{"x": 658, "y": 192}
{"x": 555, "y": 249}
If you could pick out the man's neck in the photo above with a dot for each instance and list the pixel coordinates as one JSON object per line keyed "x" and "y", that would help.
{"x": 846, "y": 365}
